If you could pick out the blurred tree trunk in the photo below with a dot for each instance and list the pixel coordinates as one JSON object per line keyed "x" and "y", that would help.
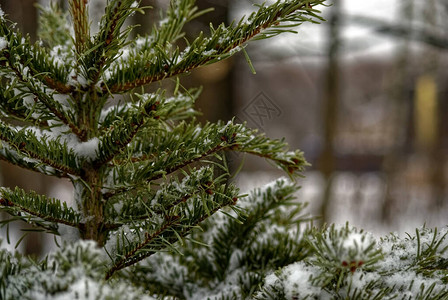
{"x": 147, "y": 20}
{"x": 330, "y": 105}
{"x": 399, "y": 93}
{"x": 434, "y": 149}
{"x": 216, "y": 101}
{"x": 24, "y": 13}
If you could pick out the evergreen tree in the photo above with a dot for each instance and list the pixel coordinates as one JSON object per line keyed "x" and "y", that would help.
{"x": 155, "y": 215}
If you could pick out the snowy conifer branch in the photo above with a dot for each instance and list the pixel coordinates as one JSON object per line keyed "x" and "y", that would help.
{"x": 151, "y": 106}
{"x": 349, "y": 263}
{"x": 122, "y": 125}
{"x": 39, "y": 210}
{"x": 25, "y": 64}
{"x": 154, "y": 64}
{"x": 172, "y": 228}
{"x": 173, "y": 154}
{"x": 110, "y": 38}
{"x": 14, "y": 107}
{"x": 52, "y": 106}
{"x": 170, "y": 28}
{"x": 149, "y": 203}
{"x": 58, "y": 275}
{"x": 250, "y": 141}
{"x": 31, "y": 60}
{"x": 241, "y": 249}
{"x": 340, "y": 252}
{"x": 13, "y": 156}
{"x": 146, "y": 174}
{"x": 51, "y": 152}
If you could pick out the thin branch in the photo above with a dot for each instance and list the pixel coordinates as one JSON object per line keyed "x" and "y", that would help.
{"x": 9, "y": 203}
{"x": 21, "y": 146}
{"x": 125, "y": 262}
{"x": 124, "y": 87}
{"x": 130, "y": 259}
{"x": 50, "y": 106}
{"x": 34, "y": 167}
{"x": 168, "y": 171}
{"x": 122, "y": 145}
{"x": 58, "y": 86}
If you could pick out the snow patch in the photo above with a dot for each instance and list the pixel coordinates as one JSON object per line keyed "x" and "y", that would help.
{"x": 87, "y": 149}
{"x": 3, "y": 43}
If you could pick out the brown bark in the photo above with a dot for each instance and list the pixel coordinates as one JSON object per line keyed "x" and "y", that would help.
{"x": 330, "y": 104}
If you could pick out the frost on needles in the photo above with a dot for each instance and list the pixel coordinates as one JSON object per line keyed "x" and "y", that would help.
{"x": 155, "y": 215}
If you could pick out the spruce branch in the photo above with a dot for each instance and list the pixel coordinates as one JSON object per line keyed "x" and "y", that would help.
{"x": 135, "y": 164}
{"x": 430, "y": 244}
{"x": 165, "y": 159}
{"x": 152, "y": 106}
{"x": 39, "y": 210}
{"x": 260, "y": 211}
{"x": 109, "y": 40}
{"x": 165, "y": 200}
{"x": 51, "y": 105}
{"x": 24, "y": 68}
{"x": 198, "y": 143}
{"x": 15, "y": 107}
{"x": 35, "y": 60}
{"x": 172, "y": 228}
{"x": 125, "y": 124}
{"x": 241, "y": 249}
{"x": 341, "y": 252}
{"x": 17, "y": 158}
{"x": 170, "y": 28}
{"x": 51, "y": 152}
{"x": 347, "y": 263}
{"x": 161, "y": 39}
{"x": 157, "y": 63}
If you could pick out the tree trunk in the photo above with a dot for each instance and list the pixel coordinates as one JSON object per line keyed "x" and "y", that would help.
{"x": 327, "y": 159}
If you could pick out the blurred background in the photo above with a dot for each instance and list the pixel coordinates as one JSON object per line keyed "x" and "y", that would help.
{"x": 363, "y": 95}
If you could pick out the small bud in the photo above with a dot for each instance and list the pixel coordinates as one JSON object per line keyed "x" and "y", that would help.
{"x": 3, "y": 202}
{"x": 291, "y": 170}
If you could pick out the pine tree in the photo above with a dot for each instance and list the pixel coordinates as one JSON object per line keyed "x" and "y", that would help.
{"x": 131, "y": 160}
{"x": 155, "y": 215}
